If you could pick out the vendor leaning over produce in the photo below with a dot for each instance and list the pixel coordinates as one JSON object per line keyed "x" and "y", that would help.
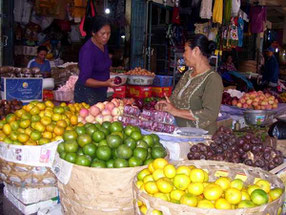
{"x": 94, "y": 64}
{"x": 196, "y": 100}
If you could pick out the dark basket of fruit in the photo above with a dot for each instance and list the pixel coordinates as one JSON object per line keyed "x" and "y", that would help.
{"x": 249, "y": 149}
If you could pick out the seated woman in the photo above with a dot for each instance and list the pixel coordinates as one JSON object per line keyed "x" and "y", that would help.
{"x": 231, "y": 76}
{"x": 40, "y": 61}
{"x": 196, "y": 100}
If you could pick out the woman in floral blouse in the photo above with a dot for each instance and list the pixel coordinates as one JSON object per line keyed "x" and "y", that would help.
{"x": 196, "y": 100}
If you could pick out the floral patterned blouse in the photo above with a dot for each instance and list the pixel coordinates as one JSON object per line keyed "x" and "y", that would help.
{"x": 201, "y": 95}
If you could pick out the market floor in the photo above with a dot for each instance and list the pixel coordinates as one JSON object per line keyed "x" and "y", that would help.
{"x": 6, "y": 207}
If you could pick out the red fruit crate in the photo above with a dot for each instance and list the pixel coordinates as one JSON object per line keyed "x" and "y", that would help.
{"x": 119, "y": 92}
{"x": 160, "y": 91}
{"x": 138, "y": 91}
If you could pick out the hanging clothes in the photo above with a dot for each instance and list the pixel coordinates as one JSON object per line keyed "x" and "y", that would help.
{"x": 206, "y": 9}
{"x": 235, "y": 7}
{"x": 218, "y": 11}
{"x": 227, "y": 11}
{"x": 240, "y": 27}
{"x": 257, "y": 19}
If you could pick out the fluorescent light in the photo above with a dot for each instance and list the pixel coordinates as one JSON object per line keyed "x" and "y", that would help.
{"x": 123, "y": 36}
{"x": 276, "y": 50}
{"x": 107, "y": 11}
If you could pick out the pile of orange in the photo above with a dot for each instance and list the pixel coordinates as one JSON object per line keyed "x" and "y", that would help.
{"x": 191, "y": 186}
{"x": 38, "y": 123}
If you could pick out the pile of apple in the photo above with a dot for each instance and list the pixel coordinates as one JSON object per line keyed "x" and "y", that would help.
{"x": 102, "y": 111}
{"x": 256, "y": 100}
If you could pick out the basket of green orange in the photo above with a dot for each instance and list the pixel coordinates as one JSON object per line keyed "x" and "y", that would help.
{"x": 202, "y": 187}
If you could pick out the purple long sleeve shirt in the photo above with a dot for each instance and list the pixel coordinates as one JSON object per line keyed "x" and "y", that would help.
{"x": 93, "y": 63}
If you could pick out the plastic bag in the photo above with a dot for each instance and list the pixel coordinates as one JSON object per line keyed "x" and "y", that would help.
{"x": 278, "y": 130}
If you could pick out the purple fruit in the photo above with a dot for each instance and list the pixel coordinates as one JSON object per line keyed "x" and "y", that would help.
{"x": 117, "y": 80}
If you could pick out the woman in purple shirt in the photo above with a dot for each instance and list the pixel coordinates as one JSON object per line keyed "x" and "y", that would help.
{"x": 94, "y": 63}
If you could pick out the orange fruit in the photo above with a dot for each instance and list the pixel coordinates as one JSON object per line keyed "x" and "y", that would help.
{"x": 205, "y": 204}
{"x": 47, "y": 135}
{"x": 50, "y": 127}
{"x": 156, "y": 212}
{"x": 189, "y": 199}
{"x": 14, "y": 135}
{"x": 162, "y": 196}
{"x": 164, "y": 185}
{"x": 264, "y": 185}
{"x": 157, "y": 174}
{"x": 74, "y": 120}
{"x": 35, "y": 110}
{"x": 159, "y": 163}
{"x": 143, "y": 173}
{"x": 222, "y": 204}
{"x": 28, "y": 131}
{"x": 197, "y": 175}
{"x": 251, "y": 188}
{"x": 39, "y": 127}
{"x": 148, "y": 178}
{"x": 183, "y": 170}
{"x": 7, "y": 129}
{"x": 25, "y": 123}
{"x": 46, "y": 120}
{"x": 62, "y": 123}
{"x": 223, "y": 182}
{"x": 244, "y": 195}
{"x": 233, "y": 196}
{"x": 59, "y": 130}
{"x": 143, "y": 209}
{"x": 275, "y": 193}
{"x": 41, "y": 106}
{"x": 49, "y": 104}
{"x": 56, "y": 117}
{"x": 151, "y": 167}
{"x": 151, "y": 187}
{"x": 237, "y": 184}
{"x": 19, "y": 113}
{"x": 213, "y": 192}
{"x": 10, "y": 117}
{"x": 176, "y": 194}
{"x": 196, "y": 188}
{"x": 181, "y": 181}
{"x": 169, "y": 171}
{"x": 259, "y": 197}
{"x": 22, "y": 138}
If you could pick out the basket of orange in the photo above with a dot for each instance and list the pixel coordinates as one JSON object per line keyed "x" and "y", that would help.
{"x": 202, "y": 187}
{"x": 29, "y": 139}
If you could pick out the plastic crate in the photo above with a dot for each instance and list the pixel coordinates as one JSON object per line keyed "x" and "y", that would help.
{"x": 163, "y": 81}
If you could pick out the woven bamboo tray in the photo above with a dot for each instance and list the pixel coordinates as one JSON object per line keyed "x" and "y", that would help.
{"x": 251, "y": 173}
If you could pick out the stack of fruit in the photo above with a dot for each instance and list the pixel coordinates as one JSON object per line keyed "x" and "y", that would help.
{"x": 102, "y": 111}
{"x": 7, "y": 107}
{"x": 248, "y": 149}
{"x": 39, "y": 123}
{"x": 252, "y": 100}
{"x": 140, "y": 71}
{"x": 191, "y": 186}
{"x": 110, "y": 145}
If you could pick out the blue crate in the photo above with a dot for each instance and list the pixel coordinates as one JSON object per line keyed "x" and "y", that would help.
{"x": 163, "y": 81}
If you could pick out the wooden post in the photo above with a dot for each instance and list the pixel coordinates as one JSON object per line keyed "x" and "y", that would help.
{"x": 284, "y": 31}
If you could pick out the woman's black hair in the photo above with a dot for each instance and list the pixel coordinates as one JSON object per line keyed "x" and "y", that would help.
{"x": 42, "y": 48}
{"x": 98, "y": 22}
{"x": 206, "y": 46}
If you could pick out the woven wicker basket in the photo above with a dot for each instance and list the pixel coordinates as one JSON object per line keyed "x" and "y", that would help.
{"x": 98, "y": 191}
{"x": 25, "y": 175}
{"x": 251, "y": 173}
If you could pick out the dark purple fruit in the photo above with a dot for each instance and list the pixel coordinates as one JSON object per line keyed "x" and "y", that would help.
{"x": 117, "y": 80}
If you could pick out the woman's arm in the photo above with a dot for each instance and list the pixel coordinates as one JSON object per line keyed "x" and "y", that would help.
{"x": 90, "y": 82}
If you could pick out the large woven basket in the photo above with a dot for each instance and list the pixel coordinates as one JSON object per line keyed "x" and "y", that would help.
{"x": 25, "y": 175}
{"x": 251, "y": 174}
{"x": 98, "y": 191}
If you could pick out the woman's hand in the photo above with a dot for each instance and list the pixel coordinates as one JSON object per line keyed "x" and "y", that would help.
{"x": 110, "y": 83}
{"x": 166, "y": 105}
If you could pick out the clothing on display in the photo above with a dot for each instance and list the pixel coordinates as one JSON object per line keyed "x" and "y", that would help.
{"x": 227, "y": 11}
{"x": 257, "y": 19}
{"x": 206, "y": 9}
{"x": 218, "y": 11}
{"x": 240, "y": 27}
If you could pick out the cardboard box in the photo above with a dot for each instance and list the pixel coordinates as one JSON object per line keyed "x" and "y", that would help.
{"x": 138, "y": 91}
{"x": 24, "y": 89}
{"x": 30, "y": 208}
{"x": 119, "y": 92}
{"x": 160, "y": 91}
{"x": 32, "y": 195}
